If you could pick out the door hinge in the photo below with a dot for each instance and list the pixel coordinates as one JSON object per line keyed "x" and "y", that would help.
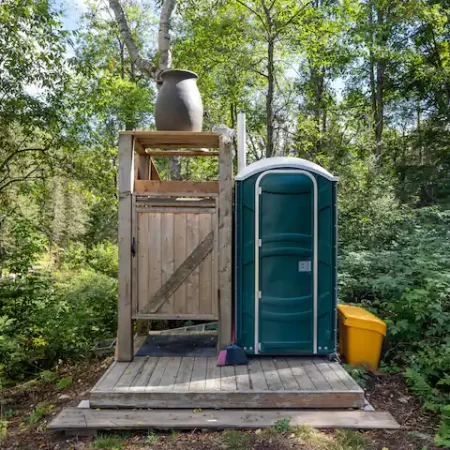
{"x": 133, "y": 247}
{"x": 259, "y": 346}
{"x": 259, "y": 294}
{"x": 259, "y": 242}
{"x": 260, "y": 190}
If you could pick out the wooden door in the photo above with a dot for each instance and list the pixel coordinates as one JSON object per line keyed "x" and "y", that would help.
{"x": 175, "y": 263}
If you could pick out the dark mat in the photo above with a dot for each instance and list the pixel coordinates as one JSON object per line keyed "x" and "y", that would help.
{"x": 179, "y": 345}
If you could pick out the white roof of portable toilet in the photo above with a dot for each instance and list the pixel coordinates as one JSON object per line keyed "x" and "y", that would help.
{"x": 279, "y": 162}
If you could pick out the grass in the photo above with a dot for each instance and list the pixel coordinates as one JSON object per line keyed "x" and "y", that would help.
{"x": 236, "y": 440}
{"x": 151, "y": 438}
{"x": 313, "y": 439}
{"x": 106, "y": 442}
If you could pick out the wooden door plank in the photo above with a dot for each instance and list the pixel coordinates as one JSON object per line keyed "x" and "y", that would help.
{"x": 167, "y": 257}
{"x": 330, "y": 375}
{"x": 317, "y": 378}
{"x": 198, "y": 378}
{"x": 131, "y": 372}
{"x": 158, "y": 373}
{"x": 300, "y": 374}
{"x": 91, "y": 419}
{"x": 205, "y": 267}
{"x": 154, "y": 254}
{"x": 144, "y": 377}
{"x": 257, "y": 378}
{"x": 184, "y": 374}
{"x": 142, "y": 255}
{"x": 227, "y": 378}
{"x": 188, "y": 271}
{"x": 286, "y": 375}
{"x": 242, "y": 378}
{"x": 170, "y": 374}
{"x": 192, "y": 281}
{"x": 212, "y": 375}
{"x": 270, "y": 372}
{"x": 345, "y": 377}
{"x": 179, "y": 296}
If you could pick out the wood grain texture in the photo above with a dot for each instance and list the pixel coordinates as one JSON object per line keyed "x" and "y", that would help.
{"x": 82, "y": 419}
{"x": 124, "y": 343}
{"x": 181, "y": 153}
{"x": 225, "y": 242}
{"x": 187, "y": 268}
{"x": 180, "y": 187}
{"x": 173, "y": 139}
{"x": 185, "y": 382}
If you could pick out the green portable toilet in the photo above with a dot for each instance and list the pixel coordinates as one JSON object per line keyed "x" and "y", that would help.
{"x": 285, "y": 237}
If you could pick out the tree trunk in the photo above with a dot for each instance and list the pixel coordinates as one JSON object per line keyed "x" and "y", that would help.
{"x": 269, "y": 99}
{"x": 379, "y": 125}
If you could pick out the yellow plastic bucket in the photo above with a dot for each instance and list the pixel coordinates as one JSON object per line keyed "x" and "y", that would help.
{"x": 360, "y": 336}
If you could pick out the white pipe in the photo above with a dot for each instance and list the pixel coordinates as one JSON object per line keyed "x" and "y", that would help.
{"x": 241, "y": 141}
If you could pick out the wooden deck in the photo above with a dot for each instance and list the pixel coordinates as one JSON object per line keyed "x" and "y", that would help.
{"x": 186, "y": 382}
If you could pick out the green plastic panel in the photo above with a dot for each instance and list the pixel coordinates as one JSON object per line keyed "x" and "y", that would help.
{"x": 286, "y": 266}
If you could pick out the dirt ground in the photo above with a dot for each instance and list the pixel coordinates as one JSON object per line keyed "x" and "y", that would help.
{"x": 29, "y": 408}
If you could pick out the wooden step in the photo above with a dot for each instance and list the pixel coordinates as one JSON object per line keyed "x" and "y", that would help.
{"x": 185, "y": 382}
{"x": 86, "y": 421}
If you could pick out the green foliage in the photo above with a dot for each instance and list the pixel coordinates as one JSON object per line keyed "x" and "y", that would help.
{"x": 236, "y": 440}
{"x": 3, "y": 429}
{"x": 39, "y": 413}
{"x": 443, "y": 437}
{"x": 282, "y": 425}
{"x": 64, "y": 383}
{"x": 56, "y": 317}
{"x": 108, "y": 443}
{"x": 359, "y": 374}
{"x": 151, "y": 438}
{"x": 48, "y": 376}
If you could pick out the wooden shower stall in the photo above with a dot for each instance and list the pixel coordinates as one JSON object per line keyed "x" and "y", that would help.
{"x": 175, "y": 237}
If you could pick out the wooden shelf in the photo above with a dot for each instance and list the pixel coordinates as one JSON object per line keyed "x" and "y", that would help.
{"x": 177, "y": 153}
{"x": 174, "y": 139}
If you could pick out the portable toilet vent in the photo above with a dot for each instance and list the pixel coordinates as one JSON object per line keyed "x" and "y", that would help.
{"x": 286, "y": 234}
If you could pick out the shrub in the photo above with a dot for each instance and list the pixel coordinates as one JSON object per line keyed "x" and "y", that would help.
{"x": 56, "y": 317}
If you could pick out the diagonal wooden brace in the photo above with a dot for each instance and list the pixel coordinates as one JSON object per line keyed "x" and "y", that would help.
{"x": 180, "y": 275}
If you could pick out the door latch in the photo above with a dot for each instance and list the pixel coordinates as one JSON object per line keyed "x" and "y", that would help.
{"x": 133, "y": 247}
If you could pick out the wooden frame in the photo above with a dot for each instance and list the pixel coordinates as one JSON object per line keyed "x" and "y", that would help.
{"x": 142, "y": 191}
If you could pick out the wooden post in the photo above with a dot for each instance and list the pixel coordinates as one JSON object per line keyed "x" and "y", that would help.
{"x": 124, "y": 344}
{"x": 225, "y": 241}
{"x": 242, "y": 161}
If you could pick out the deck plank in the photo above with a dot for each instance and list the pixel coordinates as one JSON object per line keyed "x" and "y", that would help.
{"x": 317, "y": 378}
{"x": 198, "y": 379}
{"x": 242, "y": 378}
{"x": 330, "y": 375}
{"x": 170, "y": 375}
{"x": 212, "y": 375}
{"x": 110, "y": 380}
{"x": 345, "y": 377}
{"x": 286, "y": 375}
{"x": 91, "y": 419}
{"x": 270, "y": 372}
{"x": 227, "y": 378}
{"x": 257, "y": 378}
{"x": 144, "y": 377}
{"x": 158, "y": 373}
{"x": 176, "y": 382}
{"x": 300, "y": 374}
{"x": 184, "y": 374}
{"x": 130, "y": 373}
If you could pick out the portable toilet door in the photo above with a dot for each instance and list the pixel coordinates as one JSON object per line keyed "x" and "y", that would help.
{"x": 286, "y": 226}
